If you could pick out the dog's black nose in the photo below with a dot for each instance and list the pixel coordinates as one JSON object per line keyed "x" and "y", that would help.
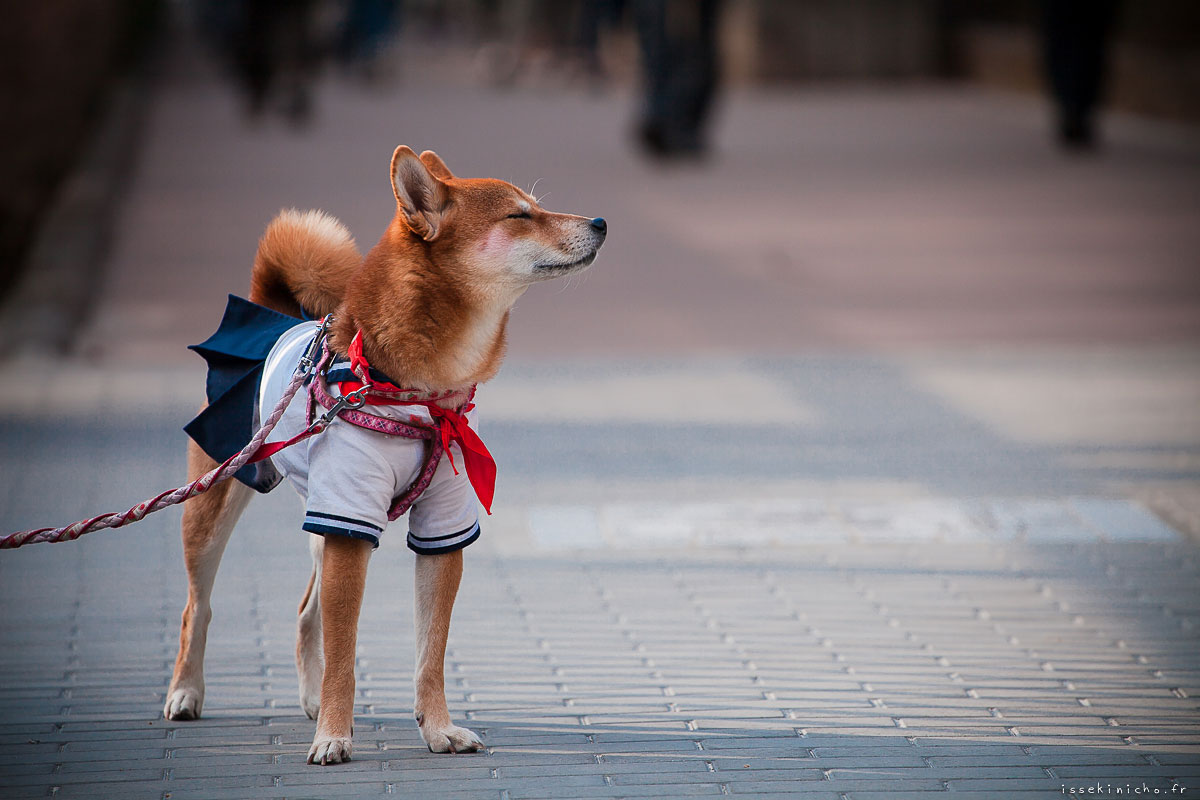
{"x": 600, "y": 225}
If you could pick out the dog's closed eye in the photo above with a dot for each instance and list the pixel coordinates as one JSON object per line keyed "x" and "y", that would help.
{"x": 520, "y": 215}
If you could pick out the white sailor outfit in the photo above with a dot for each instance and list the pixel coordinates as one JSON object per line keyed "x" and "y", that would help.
{"x": 348, "y": 476}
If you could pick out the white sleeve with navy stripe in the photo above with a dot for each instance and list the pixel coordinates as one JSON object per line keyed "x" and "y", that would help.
{"x": 322, "y": 523}
{"x": 352, "y": 480}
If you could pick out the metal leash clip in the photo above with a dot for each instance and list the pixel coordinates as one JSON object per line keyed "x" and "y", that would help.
{"x": 351, "y": 400}
{"x": 310, "y": 355}
{"x": 355, "y": 399}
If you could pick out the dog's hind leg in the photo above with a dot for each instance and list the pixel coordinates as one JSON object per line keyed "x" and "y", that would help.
{"x": 208, "y": 519}
{"x": 437, "y": 579}
{"x": 310, "y": 661}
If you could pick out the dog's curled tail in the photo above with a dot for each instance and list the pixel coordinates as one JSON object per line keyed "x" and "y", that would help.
{"x": 304, "y": 261}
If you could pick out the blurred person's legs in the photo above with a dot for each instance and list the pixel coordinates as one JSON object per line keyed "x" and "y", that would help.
{"x": 366, "y": 31}
{"x": 504, "y": 29}
{"x": 679, "y": 61}
{"x": 534, "y": 38}
{"x": 1075, "y": 34}
{"x": 594, "y": 17}
{"x": 275, "y": 55}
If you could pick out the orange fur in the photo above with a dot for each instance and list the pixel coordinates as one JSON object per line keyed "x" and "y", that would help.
{"x": 304, "y": 260}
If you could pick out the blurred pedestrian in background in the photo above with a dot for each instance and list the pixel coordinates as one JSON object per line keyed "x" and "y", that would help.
{"x": 525, "y": 40}
{"x": 596, "y": 16}
{"x": 271, "y": 47}
{"x": 678, "y": 39}
{"x": 1075, "y": 37}
{"x": 367, "y": 30}
{"x": 275, "y": 48}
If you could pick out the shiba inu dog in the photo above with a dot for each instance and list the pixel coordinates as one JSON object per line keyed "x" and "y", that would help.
{"x": 426, "y": 310}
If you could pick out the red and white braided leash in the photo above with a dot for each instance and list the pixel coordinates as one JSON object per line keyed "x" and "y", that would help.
{"x": 248, "y": 454}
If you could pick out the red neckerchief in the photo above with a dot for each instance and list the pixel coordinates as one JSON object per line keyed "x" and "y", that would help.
{"x": 452, "y": 423}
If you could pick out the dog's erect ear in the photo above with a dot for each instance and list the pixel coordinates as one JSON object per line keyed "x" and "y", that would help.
{"x": 420, "y": 197}
{"x": 436, "y": 165}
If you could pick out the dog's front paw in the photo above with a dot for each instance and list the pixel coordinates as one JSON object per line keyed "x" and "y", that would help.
{"x": 451, "y": 739}
{"x": 183, "y": 704}
{"x": 329, "y": 750}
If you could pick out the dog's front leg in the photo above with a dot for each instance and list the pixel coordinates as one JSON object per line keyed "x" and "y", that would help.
{"x": 437, "y": 579}
{"x": 343, "y": 576}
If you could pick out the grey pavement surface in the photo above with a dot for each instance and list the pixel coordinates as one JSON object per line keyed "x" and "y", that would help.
{"x": 835, "y": 477}
{"x": 680, "y": 624}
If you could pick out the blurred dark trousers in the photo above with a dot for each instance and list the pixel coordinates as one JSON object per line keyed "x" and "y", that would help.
{"x": 679, "y": 55}
{"x": 1075, "y": 42}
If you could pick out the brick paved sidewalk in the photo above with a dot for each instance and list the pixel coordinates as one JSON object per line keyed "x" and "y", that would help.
{"x": 832, "y": 639}
{"x": 861, "y": 669}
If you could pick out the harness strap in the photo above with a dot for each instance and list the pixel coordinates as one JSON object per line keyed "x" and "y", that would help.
{"x": 433, "y": 449}
{"x": 449, "y": 425}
